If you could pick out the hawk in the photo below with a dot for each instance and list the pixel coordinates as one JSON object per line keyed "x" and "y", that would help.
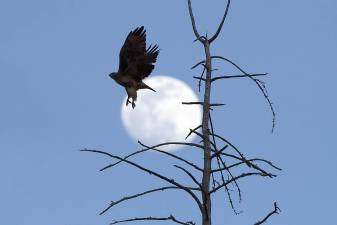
{"x": 135, "y": 63}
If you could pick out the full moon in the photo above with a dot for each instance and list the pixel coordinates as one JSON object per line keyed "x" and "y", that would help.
{"x": 160, "y": 116}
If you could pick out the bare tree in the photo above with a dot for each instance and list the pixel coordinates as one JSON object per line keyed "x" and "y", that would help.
{"x": 216, "y": 173}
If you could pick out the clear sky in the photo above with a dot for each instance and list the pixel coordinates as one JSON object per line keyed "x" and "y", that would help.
{"x": 56, "y": 98}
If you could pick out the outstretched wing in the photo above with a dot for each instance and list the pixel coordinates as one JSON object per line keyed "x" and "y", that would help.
{"x": 145, "y": 63}
{"x": 133, "y": 48}
{"x": 134, "y": 59}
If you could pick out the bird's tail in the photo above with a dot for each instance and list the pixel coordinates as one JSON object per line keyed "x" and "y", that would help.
{"x": 145, "y": 86}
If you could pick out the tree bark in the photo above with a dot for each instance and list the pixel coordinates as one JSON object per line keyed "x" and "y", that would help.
{"x": 206, "y": 197}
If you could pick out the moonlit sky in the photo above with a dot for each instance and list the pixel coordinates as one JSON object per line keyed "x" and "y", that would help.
{"x": 56, "y": 98}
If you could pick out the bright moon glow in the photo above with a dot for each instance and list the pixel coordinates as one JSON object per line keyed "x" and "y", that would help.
{"x": 159, "y": 116}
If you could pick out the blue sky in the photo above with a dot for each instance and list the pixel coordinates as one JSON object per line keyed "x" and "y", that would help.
{"x": 56, "y": 98}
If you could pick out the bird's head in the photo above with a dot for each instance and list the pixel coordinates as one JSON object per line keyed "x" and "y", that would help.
{"x": 112, "y": 75}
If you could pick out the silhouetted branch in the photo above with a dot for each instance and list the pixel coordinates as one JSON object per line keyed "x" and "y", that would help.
{"x": 275, "y": 211}
{"x": 177, "y": 143}
{"x": 192, "y": 130}
{"x": 238, "y": 76}
{"x": 192, "y": 103}
{"x": 221, "y": 23}
{"x": 152, "y": 148}
{"x": 242, "y": 162}
{"x": 151, "y": 172}
{"x": 195, "y": 30}
{"x": 172, "y": 218}
{"x": 248, "y": 163}
{"x": 219, "y": 162}
{"x": 172, "y": 155}
{"x": 201, "y": 103}
{"x": 190, "y": 175}
{"x": 217, "y": 153}
{"x": 237, "y": 178}
{"x": 235, "y": 148}
{"x": 259, "y": 83}
{"x": 199, "y": 78}
{"x": 113, "y": 203}
{"x": 201, "y": 136}
{"x": 216, "y": 104}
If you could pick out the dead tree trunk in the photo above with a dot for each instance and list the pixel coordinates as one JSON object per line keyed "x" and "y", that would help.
{"x": 213, "y": 176}
{"x": 206, "y": 197}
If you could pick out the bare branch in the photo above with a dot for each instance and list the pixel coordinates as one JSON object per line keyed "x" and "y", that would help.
{"x": 190, "y": 175}
{"x": 235, "y": 148}
{"x": 242, "y": 162}
{"x": 237, "y": 76}
{"x": 177, "y": 143}
{"x": 202, "y": 74}
{"x": 266, "y": 161}
{"x": 192, "y": 130}
{"x": 201, "y": 103}
{"x": 237, "y": 178}
{"x": 248, "y": 163}
{"x": 219, "y": 159}
{"x": 152, "y": 148}
{"x": 150, "y": 218}
{"x": 260, "y": 85}
{"x": 199, "y": 78}
{"x": 217, "y": 153}
{"x": 235, "y": 183}
{"x": 113, "y": 203}
{"x": 151, "y": 172}
{"x": 201, "y": 136}
{"x": 216, "y": 104}
{"x": 195, "y": 30}
{"x": 198, "y": 64}
{"x": 172, "y": 155}
{"x": 221, "y": 23}
{"x": 276, "y": 210}
{"x": 192, "y": 103}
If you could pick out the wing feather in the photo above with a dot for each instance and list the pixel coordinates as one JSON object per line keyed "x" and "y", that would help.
{"x": 134, "y": 59}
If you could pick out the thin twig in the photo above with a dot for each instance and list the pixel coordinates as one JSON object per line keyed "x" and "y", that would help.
{"x": 191, "y": 131}
{"x": 192, "y": 103}
{"x": 276, "y": 210}
{"x": 248, "y": 163}
{"x": 260, "y": 85}
{"x": 201, "y": 136}
{"x": 151, "y": 148}
{"x": 172, "y": 155}
{"x": 151, "y": 172}
{"x": 237, "y": 76}
{"x": 190, "y": 175}
{"x": 217, "y": 153}
{"x": 238, "y": 177}
{"x": 199, "y": 78}
{"x": 242, "y": 162}
{"x": 233, "y": 146}
{"x": 219, "y": 159}
{"x": 195, "y": 30}
{"x": 113, "y": 203}
{"x": 172, "y": 218}
{"x": 221, "y": 23}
